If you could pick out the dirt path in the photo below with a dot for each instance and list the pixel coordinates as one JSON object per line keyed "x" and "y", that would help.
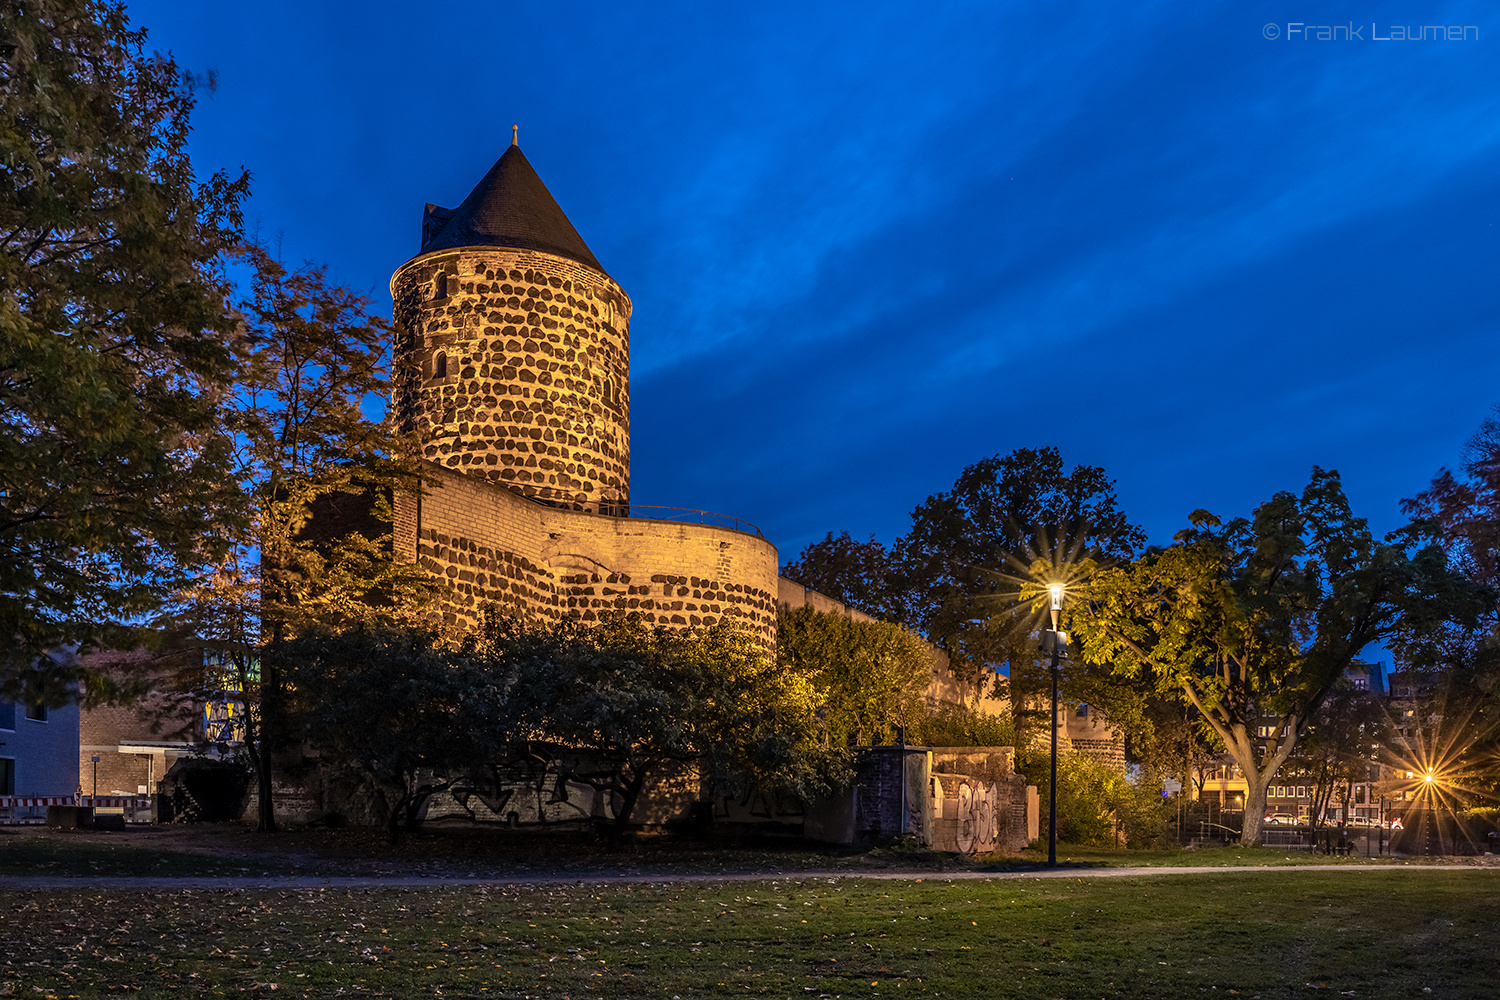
{"x": 152, "y": 883}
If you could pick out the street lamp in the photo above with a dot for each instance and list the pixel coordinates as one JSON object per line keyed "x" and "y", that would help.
{"x": 1058, "y": 641}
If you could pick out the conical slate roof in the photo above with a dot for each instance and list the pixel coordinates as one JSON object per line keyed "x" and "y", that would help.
{"x": 510, "y": 207}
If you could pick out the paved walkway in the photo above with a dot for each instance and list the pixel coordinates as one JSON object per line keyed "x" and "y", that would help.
{"x": 302, "y": 882}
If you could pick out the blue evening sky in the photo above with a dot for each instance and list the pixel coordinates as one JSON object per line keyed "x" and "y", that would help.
{"x": 869, "y": 244}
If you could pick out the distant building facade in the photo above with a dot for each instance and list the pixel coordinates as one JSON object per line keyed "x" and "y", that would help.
{"x": 38, "y": 750}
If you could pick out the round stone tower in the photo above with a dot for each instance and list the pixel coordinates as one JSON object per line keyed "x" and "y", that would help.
{"x": 512, "y": 346}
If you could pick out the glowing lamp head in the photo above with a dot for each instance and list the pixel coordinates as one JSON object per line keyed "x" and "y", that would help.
{"x": 1056, "y": 590}
{"x": 1428, "y": 777}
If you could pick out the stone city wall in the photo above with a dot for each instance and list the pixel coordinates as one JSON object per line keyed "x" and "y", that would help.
{"x": 491, "y": 546}
{"x": 515, "y": 366}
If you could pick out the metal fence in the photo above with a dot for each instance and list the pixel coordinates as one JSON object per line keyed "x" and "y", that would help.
{"x": 645, "y": 512}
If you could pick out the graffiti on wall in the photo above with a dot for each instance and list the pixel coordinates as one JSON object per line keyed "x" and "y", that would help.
{"x": 970, "y": 813}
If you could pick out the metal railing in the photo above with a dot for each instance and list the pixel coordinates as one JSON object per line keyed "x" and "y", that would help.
{"x": 647, "y": 512}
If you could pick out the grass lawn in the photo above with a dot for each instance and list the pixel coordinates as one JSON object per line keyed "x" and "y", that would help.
{"x": 1388, "y": 933}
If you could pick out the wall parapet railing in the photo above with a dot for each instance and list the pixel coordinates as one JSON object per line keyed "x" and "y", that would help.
{"x": 646, "y": 512}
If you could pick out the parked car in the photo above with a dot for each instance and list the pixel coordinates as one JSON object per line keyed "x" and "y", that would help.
{"x": 1280, "y": 819}
{"x": 1363, "y": 822}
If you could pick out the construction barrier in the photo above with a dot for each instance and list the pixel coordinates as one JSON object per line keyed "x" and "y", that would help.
{"x": 23, "y": 810}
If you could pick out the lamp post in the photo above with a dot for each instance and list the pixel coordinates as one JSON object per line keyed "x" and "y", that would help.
{"x": 1057, "y": 640}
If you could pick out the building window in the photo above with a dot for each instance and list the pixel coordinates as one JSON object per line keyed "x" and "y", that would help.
{"x": 440, "y": 286}
{"x": 440, "y": 365}
{"x": 7, "y": 776}
{"x": 36, "y": 712}
{"x": 7, "y": 715}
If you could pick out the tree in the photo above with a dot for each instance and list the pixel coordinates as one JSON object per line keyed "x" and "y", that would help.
{"x": 870, "y": 676}
{"x": 1463, "y": 513}
{"x": 1339, "y": 748}
{"x": 411, "y": 714}
{"x": 1169, "y": 738}
{"x": 116, "y": 345}
{"x": 318, "y": 475}
{"x": 859, "y": 574}
{"x": 646, "y": 700}
{"x": 958, "y": 563}
{"x": 1465, "y": 509}
{"x": 1254, "y": 622}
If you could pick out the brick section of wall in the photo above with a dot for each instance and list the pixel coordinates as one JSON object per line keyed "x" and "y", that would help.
{"x": 155, "y": 718}
{"x": 893, "y": 793}
{"x": 537, "y": 390}
{"x": 100, "y": 732}
{"x": 1107, "y": 751}
{"x": 492, "y": 547}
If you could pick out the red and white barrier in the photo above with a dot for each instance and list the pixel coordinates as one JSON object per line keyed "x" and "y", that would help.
{"x": 20, "y": 809}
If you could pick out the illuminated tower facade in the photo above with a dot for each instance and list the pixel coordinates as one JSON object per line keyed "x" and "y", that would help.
{"x": 512, "y": 349}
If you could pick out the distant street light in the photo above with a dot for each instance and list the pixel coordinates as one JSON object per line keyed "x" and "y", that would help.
{"x": 1058, "y": 641}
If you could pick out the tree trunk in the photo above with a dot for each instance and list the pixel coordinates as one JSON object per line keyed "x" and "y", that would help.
{"x": 266, "y": 804}
{"x": 1256, "y": 785}
{"x": 255, "y": 747}
{"x": 629, "y": 795}
{"x": 406, "y": 813}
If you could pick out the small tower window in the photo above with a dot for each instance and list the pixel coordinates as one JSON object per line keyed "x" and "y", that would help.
{"x": 440, "y": 286}
{"x": 440, "y": 365}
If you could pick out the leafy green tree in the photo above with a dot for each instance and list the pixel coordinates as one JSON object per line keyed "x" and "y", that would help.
{"x": 958, "y": 563}
{"x": 1340, "y": 747}
{"x": 1098, "y": 805}
{"x": 1464, "y": 508}
{"x": 318, "y": 474}
{"x": 1254, "y": 622}
{"x": 408, "y": 712}
{"x": 858, "y": 574}
{"x": 648, "y": 700}
{"x": 870, "y": 676}
{"x": 949, "y": 725}
{"x": 1169, "y": 739}
{"x": 117, "y": 348}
